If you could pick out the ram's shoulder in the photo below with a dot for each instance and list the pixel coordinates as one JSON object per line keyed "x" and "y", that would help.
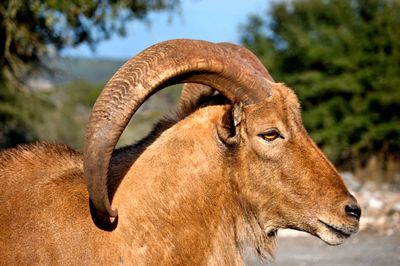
{"x": 27, "y": 153}
{"x": 42, "y": 161}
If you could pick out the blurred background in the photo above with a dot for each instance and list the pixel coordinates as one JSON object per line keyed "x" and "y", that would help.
{"x": 342, "y": 58}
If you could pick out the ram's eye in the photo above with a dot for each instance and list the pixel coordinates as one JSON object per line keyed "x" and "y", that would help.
{"x": 270, "y": 135}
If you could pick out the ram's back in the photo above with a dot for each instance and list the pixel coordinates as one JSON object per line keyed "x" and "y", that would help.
{"x": 44, "y": 203}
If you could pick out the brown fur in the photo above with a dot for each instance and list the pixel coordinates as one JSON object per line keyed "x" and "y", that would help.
{"x": 186, "y": 197}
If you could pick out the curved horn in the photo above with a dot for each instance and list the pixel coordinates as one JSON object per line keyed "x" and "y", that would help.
{"x": 192, "y": 94}
{"x": 249, "y": 57}
{"x": 164, "y": 64}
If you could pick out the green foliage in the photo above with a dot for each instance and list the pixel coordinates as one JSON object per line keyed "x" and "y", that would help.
{"x": 19, "y": 111}
{"x": 33, "y": 30}
{"x": 342, "y": 58}
{"x": 65, "y": 121}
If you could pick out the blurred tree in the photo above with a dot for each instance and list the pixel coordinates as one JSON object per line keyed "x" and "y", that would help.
{"x": 343, "y": 59}
{"x": 33, "y": 29}
{"x": 18, "y": 111}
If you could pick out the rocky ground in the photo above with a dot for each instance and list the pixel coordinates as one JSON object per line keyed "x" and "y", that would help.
{"x": 380, "y": 204}
{"x": 363, "y": 249}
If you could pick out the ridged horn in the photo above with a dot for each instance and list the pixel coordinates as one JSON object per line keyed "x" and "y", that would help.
{"x": 164, "y": 64}
{"x": 193, "y": 94}
{"x": 249, "y": 57}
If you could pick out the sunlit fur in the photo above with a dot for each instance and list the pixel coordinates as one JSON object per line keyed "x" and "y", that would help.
{"x": 187, "y": 197}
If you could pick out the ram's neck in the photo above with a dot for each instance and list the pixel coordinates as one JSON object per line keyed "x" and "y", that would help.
{"x": 175, "y": 195}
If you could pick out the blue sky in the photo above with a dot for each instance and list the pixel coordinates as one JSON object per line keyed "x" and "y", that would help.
{"x": 212, "y": 20}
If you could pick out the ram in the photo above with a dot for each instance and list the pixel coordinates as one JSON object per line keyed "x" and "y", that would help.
{"x": 211, "y": 186}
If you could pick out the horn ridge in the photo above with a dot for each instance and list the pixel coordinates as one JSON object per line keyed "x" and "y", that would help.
{"x": 193, "y": 93}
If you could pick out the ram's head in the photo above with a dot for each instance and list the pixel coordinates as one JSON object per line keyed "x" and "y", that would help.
{"x": 278, "y": 173}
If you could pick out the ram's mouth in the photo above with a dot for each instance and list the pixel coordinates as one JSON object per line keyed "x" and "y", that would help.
{"x": 336, "y": 230}
{"x": 333, "y": 234}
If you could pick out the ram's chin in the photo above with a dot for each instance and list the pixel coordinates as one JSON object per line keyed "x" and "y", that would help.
{"x": 333, "y": 235}
{"x": 331, "y": 239}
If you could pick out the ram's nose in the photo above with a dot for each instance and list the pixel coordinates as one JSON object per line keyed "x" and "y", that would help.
{"x": 353, "y": 210}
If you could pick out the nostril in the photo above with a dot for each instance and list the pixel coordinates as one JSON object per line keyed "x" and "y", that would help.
{"x": 353, "y": 210}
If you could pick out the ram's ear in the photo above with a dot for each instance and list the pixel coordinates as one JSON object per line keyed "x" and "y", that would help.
{"x": 228, "y": 128}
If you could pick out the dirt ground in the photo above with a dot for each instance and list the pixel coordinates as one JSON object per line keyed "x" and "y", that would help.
{"x": 364, "y": 249}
